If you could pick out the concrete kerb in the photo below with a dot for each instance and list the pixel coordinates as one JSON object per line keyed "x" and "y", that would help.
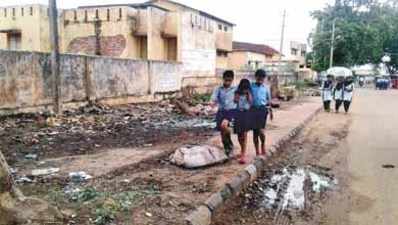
{"x": 206, "y": 211}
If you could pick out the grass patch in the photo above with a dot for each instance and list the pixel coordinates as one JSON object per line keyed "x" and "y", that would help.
{"x": 104, "y": 207}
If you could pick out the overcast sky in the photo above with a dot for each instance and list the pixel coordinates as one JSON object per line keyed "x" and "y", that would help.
{"x": 257, "y": 21}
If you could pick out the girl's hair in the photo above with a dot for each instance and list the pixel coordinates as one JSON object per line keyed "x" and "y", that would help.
{"x": 243, "y": 85}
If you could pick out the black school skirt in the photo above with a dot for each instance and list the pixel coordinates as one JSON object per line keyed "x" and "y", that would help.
{"x": 242, "y": 121}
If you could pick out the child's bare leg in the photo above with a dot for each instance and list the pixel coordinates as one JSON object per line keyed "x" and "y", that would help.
{"x": 243, "y": 144}
{"x": 256, "y": 136}
{"x": 262, "y": 139}
{"x": 226, "y": 136}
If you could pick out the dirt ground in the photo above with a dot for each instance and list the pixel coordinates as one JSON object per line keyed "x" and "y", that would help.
{"x": 315, "y": 147}
{"x": 126, "y": 150}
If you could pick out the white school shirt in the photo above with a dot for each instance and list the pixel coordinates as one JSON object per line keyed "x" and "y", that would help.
{"x": 327, "y": 93}
{"x": 339, "y": 94}
{"x": 348, "y": 92}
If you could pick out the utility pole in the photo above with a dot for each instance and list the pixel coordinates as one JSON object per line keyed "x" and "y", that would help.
{"x": 332, "y": 44}
{"x": 55, "y": 59}
{"x": 282, "y": 34}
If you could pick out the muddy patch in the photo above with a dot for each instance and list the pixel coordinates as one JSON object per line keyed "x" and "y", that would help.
{"x": 288, "y": 189}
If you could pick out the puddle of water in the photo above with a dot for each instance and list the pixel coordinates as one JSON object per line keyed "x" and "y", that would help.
{"x": 287, "y": 190}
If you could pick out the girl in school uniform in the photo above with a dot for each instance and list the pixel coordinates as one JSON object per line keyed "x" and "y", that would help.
{"x": 348, "y": 92}
{"x": 243, "y": 100}
{"x": 327, "y": 93}
{"x": 338, "y": 93}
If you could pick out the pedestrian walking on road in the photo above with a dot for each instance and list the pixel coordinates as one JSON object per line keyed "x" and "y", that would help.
{"x": 224, "y": 97}
{"x": 338, "y": 93}
{"x": 327, "y": 92}
{"x": 244, "y": 100}
{"x": 259, "y": 112}
{"x": 348, "y": 93}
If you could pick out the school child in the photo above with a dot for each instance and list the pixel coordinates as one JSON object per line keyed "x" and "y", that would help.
{"x": 243, "y": 99}
{"x": 338, "y": 93}
{"x": 259, "y": 112}
{"x": 224, "y": 96}
{"x": 348, "y": 92}
{"x": 327, "y": 90}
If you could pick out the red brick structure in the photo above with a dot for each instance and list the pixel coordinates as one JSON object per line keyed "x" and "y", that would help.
{"x": 109, "y": 45}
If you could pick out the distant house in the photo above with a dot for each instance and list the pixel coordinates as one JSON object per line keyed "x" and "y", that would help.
{"x": 251, "y": 56}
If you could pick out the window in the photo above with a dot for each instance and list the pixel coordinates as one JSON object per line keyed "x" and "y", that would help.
{"x": 294, "y": 51}
{"x": 219, "y": 26}
{"x": 222, "y": 53}
{"x": 120, "y": 13}
{"x": 303, "y": 53}
{"x": 96, "y": 14}
{"x": 13, "y": 12}
{"x": 22, "y": 11}
{"x": 225, "y": 28}
{"x": 74, "y": 15}
{"x": 31, "y": 11}
{"x": 5, "y": 12}
{"x": 108, "y": 14}
{"x": 14, "y": 41}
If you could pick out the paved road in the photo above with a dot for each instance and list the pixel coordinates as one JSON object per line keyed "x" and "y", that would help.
{"x": 373, "y": 142}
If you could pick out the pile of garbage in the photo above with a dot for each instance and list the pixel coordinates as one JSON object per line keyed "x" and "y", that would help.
{"x": 289, "y": 188}
{"x": 81, "y": 131}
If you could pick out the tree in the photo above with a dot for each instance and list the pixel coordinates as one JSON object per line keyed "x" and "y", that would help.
{"x": 16, "y": 209}
{"x": 365, "y": 31}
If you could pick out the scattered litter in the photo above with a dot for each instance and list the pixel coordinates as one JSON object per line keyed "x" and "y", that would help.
{"x": 148, "y": 145}
{"x": 148, "y": 214}
{"x": 198, "y": 156}
{"x": 24, "y": 180}
{"x": 286, "y": 189}
{"x": 44, "y": 172}
{"x": 13, "y": 171}
{"x": 388, "y": 166}
{"x": 80, "y": 176}
{"x": 126, "y": 181}
{"x": 31, "y": 156}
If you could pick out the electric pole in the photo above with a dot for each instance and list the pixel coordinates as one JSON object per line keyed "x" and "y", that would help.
{"x": 282, "y": 34}
{"x": 55, "y": 59}
{"x": 332, "y": 43}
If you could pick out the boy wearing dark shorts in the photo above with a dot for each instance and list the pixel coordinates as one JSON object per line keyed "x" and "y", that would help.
{"x": 261, "y": 103}
{"x": 223, "y": 96}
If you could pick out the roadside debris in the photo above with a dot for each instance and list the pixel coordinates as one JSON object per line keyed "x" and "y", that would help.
{"x": 288, "y": 189}
{"x": 89, "y": 128}
{"x": 44, "y": 172}
{"x": 31, "y": 156}
{"x": 198, "y": 156}
{"x": 80, "y": 176}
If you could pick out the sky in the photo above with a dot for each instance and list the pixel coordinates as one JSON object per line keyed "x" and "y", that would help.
{"x": 257, "y": 21}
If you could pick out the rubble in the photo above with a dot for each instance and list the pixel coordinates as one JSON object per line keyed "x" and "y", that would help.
{"x": 287, "y": 189}
{"x": 198, "y": 156}
{"x": 89, "y": 128}
{"x": 44, "y": 172}
{"x": 80, "y": 176}
{"x": 31, "y": 156}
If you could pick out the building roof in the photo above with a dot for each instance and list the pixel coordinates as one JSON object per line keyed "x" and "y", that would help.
{"x": 257, "y": 48}
{"x": 137, "y": 6}
{"x": 150, "y": 3}
{"x": 203, "y": 13}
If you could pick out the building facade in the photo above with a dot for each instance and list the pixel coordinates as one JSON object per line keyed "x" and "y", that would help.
{"x": 24, "y": 28}
{"x": 154, "y": 30}
{"x": 297, "y": 52}
{"x": 248, "y": 56}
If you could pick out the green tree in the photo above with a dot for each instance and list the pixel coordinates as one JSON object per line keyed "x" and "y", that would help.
{"x": 365, "y": 31}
